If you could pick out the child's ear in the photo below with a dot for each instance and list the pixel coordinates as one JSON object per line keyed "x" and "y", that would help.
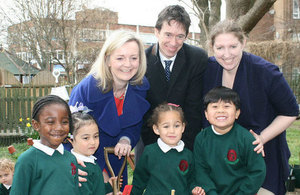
{"x": 35, "y": 125}
{"x": 155, "y": 129}
{"x": 205, "y": 112}
{"x": 183, "y": 127}
{"x": 237, "y": 114}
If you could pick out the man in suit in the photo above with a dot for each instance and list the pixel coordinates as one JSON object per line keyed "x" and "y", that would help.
{"x": 174, "y": 70}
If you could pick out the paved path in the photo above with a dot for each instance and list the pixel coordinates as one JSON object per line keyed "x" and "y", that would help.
{"x": 296, "y": 192}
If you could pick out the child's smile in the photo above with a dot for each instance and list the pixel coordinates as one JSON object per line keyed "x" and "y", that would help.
{"x": 170, "y": 127}
{"x": 222, "y": 115}
{"x": 53, "y": 125}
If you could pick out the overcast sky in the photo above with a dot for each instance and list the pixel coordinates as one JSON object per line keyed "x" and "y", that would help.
{"x": 137, "y": 12}
{"x": 140, "y": 12}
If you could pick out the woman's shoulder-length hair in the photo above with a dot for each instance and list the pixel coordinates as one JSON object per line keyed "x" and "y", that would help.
{"x": 100, "y": 69}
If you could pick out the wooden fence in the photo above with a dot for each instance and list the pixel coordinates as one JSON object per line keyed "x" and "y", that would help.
{"x": 16, "y": 107}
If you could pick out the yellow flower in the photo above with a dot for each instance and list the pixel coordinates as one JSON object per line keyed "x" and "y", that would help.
{"x": 20, "y": 119}
{"x": 28, "y": 125}
{"x": 28, "y": 119}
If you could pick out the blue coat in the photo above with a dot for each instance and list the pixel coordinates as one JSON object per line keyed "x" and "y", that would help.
{"x": 111, "y": 126}
{"x": 264, "y": 94}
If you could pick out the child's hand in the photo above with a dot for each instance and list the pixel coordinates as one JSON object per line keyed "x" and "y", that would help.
{"x": 259, "y": 142}
{"x": 198, "y": 191}
{"x": 122, "y": 148}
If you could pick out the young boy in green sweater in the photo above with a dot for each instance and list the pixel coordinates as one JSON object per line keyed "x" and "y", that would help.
{"x": 225, "y": 160}
{"x": 7, "y": 168}
{"x": 166, "y": 165}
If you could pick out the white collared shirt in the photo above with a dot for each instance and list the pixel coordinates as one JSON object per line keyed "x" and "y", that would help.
{"x": 163, "y": 58}
{"x": 6, "y": 186}
{"x": 165, "y": 147}
{"x": 212, "y": 127}
{"x": 90, "y": 159}
{"x": 50, "y": 151}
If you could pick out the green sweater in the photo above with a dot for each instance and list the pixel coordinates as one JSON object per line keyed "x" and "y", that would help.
{"x": 95, "y": 183}
{"x": 37, "y": 173}
{"x": 160, "y": 172}
{"x": 226, "y": 164}
{"x": 3, "y": 190}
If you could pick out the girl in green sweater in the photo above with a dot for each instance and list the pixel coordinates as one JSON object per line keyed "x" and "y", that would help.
{"x": 85, "y": 141}
{"x": 166, "y": 165}
{"x": 46, "y": 168}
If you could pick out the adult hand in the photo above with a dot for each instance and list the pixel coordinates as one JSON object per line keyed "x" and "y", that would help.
{"x": 82, "y": 173}
{"x": 259, "y": 141}
{"x": 198, "y": 191}
{"x": 122, "y": 148}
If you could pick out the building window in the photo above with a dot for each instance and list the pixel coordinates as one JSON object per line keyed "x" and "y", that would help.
{"x": 296, "y": 37}
{"x": 296, "y": 11}
{"x": 60, "y": 54}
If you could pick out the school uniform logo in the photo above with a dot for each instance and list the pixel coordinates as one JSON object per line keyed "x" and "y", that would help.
{"x": 232, "y": 157}
{"x": 183, "y": 165}
{"x": 73, "y": 169}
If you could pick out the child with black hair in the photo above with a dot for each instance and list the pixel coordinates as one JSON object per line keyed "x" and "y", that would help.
{"x": 225, "y": 160}
{"x": 165, "y": 165}
{"x": 46, "y": 168}
{"x": 6, "y": 175}
{"x": 85, "y": 142}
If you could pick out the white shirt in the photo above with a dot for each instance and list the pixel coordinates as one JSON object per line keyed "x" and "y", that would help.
{"x": 165, "y": 147}
{"x": 37, "y": 144}
{"x": 212, "y": 127}
{"x": 90, "y": 159}
{"x": 163, "y": 58}
{"x": 6, "y": 186}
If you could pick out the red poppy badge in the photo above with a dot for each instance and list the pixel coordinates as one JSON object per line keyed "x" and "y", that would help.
{"x": 73, "y": 169}
{"x": 183, "y": 165}
{"x": 231, "y": 155}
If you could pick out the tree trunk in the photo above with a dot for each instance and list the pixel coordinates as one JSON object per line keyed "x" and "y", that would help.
{"x": 249, "y": 20}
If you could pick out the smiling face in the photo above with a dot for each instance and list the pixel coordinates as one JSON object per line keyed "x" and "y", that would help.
{"x": 221, "y": 115}
{"x": 228, "y": 51}
{"x": 86, "y": 140}
{"x": 170, "y": 38}
{"x": 53, "y": 125}
{"x": 6, "y": 177}
{"x": 124, "y": 62}
{"x": 169, "y": 127}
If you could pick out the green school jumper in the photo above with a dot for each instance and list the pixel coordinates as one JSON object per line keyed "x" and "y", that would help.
{"x": 4, "y": 190}
{"x": 226, "y": 164}
{"x": 37, "y": 173}
{"x": 160, "y": 172}
{"x": 95, "y": 183}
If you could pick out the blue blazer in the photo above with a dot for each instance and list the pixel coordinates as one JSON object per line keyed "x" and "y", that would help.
{"x": 111, "y": 126}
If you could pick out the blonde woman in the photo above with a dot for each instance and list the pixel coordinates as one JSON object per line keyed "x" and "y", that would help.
{"x": 114, "y": 92}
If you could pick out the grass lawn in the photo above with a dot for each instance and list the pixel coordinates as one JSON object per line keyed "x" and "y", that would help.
{"x": 293, "y": 137}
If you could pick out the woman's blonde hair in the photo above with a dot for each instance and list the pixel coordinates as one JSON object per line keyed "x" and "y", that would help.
{"x": 100, "y": 69}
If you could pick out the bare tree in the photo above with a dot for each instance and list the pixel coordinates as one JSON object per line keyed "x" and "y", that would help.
{"x": 48, "y": 30}
{"x": 247, "y": 12}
